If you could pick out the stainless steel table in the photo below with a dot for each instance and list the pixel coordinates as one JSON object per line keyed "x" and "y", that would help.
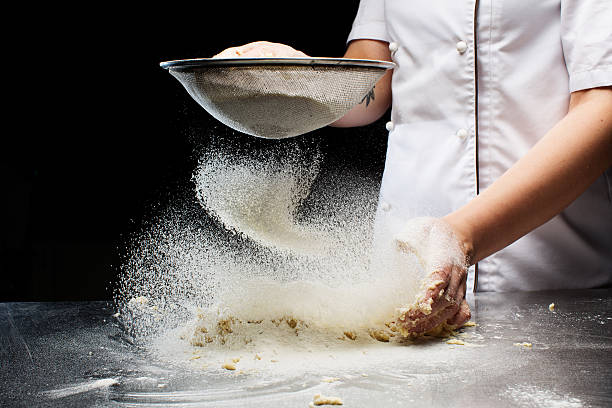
{"x": 76, "y": 354}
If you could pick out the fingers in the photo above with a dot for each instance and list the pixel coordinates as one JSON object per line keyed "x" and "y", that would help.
{"x": 233, "y": 52}
{"x": 461, "y": 317}
{"x": 438, "y": 283}
{"x": 421, "y": 326}
{"x": 458, "y": 277}
{"x": 426, "y": 311}
{"x": 460, "y": 295}
{"x": 443, "y": 302}
{"x": 447, "y": 287}
{"x": 463, "y": 314}
{"x": 260, "y": 49}
{"x": 454, "y": 316}
{"x": 433, "y": 299}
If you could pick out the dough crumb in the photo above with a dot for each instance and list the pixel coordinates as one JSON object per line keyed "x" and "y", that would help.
{"x": 350, "y": 334}
{"x": 469, "y": 324}
{"x": 455, "y": 341}
{"x": 524, "y": 344}
{"x": 380, "y": 335}
{"x": 291, "y": 322}
{"x": 392, "y": 326}
{"x": 330, "y": 379}
{"x": 229, "y": 365}
{"x": 318, "y": 399}
{"x": 551, "y": 307}
{"x": 225, "y": 326}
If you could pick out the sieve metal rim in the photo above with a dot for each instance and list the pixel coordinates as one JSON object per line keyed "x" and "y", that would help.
{"x": 195, "y": 63}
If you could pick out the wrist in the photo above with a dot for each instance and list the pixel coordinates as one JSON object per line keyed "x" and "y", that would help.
{"x": 464, "y": 237}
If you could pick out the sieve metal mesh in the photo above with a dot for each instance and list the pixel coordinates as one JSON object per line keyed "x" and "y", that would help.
{"x": 277, "y": 98}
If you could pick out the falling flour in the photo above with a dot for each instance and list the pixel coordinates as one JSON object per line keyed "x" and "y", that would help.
{"x": 272, "y": 255}
{"x": 260, "y": 200}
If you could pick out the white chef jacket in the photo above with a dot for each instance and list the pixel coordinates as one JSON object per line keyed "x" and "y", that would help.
{"x": 477, "y": 83}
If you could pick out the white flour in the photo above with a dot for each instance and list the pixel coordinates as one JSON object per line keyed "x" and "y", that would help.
{"x": 80, "y": 388}
{"x": 293, "y": 243}
{"x": 260, "y": 200}
{"x": 527, "y": 395}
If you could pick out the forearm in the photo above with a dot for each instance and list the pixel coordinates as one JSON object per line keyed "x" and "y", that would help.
{"x": 377, "y": 103}
{"x": 559, "y": 168}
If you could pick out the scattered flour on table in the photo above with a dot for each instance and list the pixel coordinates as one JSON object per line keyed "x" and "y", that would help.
{"x": 80, "y": 388}
{"x": 526, "y": 395}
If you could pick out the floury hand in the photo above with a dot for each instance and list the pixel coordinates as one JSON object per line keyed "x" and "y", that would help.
{"x": 441, "y": 302}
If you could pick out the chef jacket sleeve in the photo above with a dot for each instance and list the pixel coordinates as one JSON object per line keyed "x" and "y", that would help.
{"x": 370, "y": 22}
{"x": 586, "y": 37}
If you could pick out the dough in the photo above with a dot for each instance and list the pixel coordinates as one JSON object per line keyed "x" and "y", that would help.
{"x": 350, "y": 334}
{"x": 318, "y": 399}
{"x": 229, "y": 365}
{"x": 380, "y": 335}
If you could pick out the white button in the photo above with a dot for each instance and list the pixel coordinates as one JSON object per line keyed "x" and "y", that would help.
{"x": 393, "y": 47}
{"x": 461, "y": 47}
{"x": 462, "y": 134}
{"x": 389, "y": 126}
{"x": 385, "y": 206}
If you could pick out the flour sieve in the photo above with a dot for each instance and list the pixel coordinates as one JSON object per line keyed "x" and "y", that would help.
{"x": 276, "y": 98}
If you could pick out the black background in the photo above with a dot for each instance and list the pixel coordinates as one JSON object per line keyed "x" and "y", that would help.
{"x": 97, "y": 135}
